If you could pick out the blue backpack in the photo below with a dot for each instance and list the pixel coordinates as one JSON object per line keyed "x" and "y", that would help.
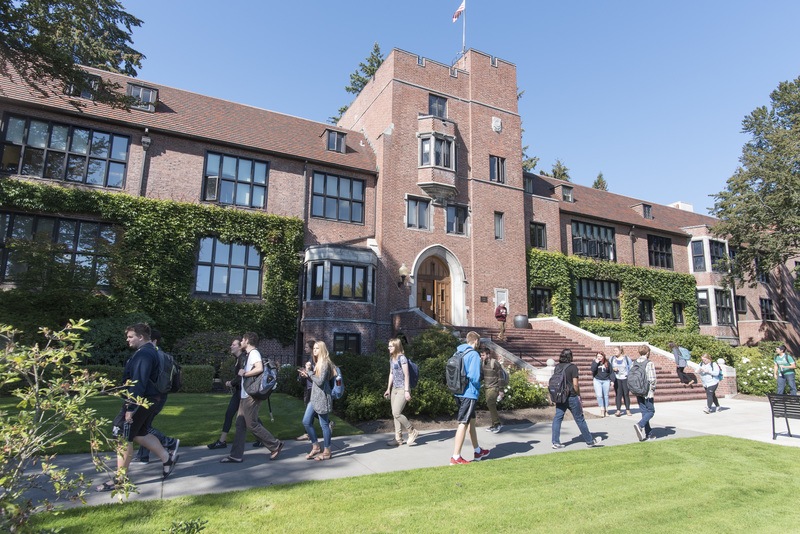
{"x": 337, "y": 384}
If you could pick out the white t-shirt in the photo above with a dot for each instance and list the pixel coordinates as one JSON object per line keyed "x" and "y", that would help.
{"x": 252, "y": 358}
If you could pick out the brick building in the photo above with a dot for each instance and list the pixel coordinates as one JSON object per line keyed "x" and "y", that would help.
{"x": 416, "y": 207}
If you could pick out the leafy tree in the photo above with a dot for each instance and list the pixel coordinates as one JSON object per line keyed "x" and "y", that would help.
{"x": 43, "y": 41}
{"x": 53, "y": 390}
{"x": 560, "y": 171}
{"x": 600, "y": 183}
{"x": 759, "y": 210}
{"x": 360, "y": 77}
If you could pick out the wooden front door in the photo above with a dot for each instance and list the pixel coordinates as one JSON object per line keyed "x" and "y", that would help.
{"x": 434, "y": 290}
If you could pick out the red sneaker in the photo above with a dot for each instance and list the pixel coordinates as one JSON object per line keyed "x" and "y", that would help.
{"x": 460, "y": 460}
{"x": 481, "y": 455}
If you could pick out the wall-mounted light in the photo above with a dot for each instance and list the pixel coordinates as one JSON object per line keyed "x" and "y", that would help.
{"x": 146, "y": 141}
{"x": 403, "y": 272}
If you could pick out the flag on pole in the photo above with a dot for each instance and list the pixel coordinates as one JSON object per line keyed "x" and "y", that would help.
{"x": 459, "y": 10}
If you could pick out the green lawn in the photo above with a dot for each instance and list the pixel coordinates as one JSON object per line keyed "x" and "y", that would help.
{"x": 704, "y": 484}
{"x": 197, "y": 418}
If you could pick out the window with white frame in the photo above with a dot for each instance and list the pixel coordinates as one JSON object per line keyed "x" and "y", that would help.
{"x": 698, "y": 257}
{"x": 566, "y": 193}
{"x": 724, "y": 307}
{"x": 437, "y": 150}
{"x": 231, "y": 269}
{"x": 703, "y": 307}
{"x": 718, "y": 255}
{"x": 497, "y": 169}
{"x": 145, "y": 98}
{"x": 234, "y": 180}
{"x": 57, "y": 151}
{"x": 417, "y": 214}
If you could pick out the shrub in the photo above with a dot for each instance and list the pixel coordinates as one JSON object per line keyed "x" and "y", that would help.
{"x": 754, "y": 370}
{"x": 197, "y": 378}
{"x": 112, "y": 372}
{"x": 431, "y": 399}
{"x": 365, "y": 404}
{"x": 288, "y": 381}
{"x": 432, "y": 343}
{"x": 522, "y": 393}
{"x": 107, "y": 335}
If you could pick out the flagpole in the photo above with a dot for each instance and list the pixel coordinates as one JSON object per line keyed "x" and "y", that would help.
{"x": 464, "y": 30}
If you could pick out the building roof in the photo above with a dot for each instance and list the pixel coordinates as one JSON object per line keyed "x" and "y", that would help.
{"x": 190, "y": 114}
{"x": 596, "y": 204}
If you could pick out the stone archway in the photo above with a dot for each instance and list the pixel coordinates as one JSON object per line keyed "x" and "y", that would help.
{"x": 438, "y": 275}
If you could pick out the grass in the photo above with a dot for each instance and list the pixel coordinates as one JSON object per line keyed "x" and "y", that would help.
{"x": 183, "y": 411}
{"x": 703, "y": 484}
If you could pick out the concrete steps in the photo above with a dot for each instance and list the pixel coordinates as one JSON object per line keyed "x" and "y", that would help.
{"x": 536, "y": 347}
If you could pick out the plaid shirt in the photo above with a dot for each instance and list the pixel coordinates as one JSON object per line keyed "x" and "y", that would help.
{"x": 650, "y": 369}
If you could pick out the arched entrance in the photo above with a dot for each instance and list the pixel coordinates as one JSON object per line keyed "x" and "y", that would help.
{"x": 434, "y": 288}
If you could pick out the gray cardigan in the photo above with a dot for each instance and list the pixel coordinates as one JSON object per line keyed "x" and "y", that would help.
{"x": 321, "y": 399}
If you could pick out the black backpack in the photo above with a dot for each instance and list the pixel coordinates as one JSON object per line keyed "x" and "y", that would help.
{"x": 169, "y": 380}
{"x": 456, "y": 374}
{"x": 558, "y": 386}
{"x": 413, "y": 373}
{"x": 637, "y": 379}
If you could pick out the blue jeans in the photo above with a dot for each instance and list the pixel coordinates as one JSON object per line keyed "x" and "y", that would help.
{"x": 308, "y": 422}
{"x": 787, "y": 379}
{"x": 648, "y": 408}
{"x": 601, "y": 392}
{"x": 573, "y": 404}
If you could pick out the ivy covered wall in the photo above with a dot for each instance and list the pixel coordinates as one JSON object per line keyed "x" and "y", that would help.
{"x": 153, "y": 261}
{"x": 560, "y": 273}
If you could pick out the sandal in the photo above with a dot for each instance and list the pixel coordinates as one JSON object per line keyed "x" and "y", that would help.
{"x": 108, "y": 485}
{"x": 169, "y": 466}
{"x": 304, "y": 437}
{"x": 231, "y": 460}
{"x": 277, "y": 451}
{"x": 315, "y": 450}
{"x": 324, "y": 456}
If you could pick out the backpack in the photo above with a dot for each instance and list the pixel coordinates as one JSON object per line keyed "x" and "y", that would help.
{"x": 169, "y": 379}
{"x": 504, "y": 378}
{"x": 413, "y": 373}
{"x": 260, "y": 386}
{"x": 337, "y": 384}
{"x": 456, "y": 374}
{"x": 637, "y": 379}
{"x": 559, "y": 386}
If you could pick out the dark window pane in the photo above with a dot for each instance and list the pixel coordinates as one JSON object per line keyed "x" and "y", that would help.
{"x": 58, "y": 137}
{"x": 11, "y": 156}
{"x": 15, "y": 130}
{"x": 80, "y": 141}
{"x": 33, "y": 162}
{"x": 96, "y": 173}
{"x": 76, "y": 167}
{"x": 87, "y": 240}
{"x": 101, "y": 142}
{"x": 37, "y": 134}
{"x": 54, "y": 167}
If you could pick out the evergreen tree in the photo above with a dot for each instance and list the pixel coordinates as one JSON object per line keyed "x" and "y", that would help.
{"x": 360, "y": 77}
{"x": 600, "y": 183}
{"x": 759, "y": 210}
{"x": 560, "y": 171}
{"x": 44, "y": 42}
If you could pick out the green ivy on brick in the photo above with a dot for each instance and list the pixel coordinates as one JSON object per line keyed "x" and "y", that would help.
{"x": 155, "y": 257}
{"x": 560, "y": 273}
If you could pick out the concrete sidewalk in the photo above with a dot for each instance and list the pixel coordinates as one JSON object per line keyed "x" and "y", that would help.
{"x": 199, "y": 471}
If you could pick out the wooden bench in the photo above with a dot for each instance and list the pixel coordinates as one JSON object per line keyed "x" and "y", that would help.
{"x": 786, "y": 406}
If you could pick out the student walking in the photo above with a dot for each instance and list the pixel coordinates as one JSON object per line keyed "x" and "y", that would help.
{"x": 710, "y": 373}
{"x": 573, "y": 403}
{"x": 247, "y": 417}
{"x": 399, "y": 388}
{"x": 642, "y": 383}
{"x": 321, "y": 402}
{"x": 784, "y": 371}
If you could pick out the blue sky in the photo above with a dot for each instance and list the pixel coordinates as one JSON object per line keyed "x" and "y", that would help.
{"x": 651, "y": 94}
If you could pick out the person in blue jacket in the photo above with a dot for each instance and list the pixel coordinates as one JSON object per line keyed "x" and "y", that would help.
{"x": 467, "y": 401}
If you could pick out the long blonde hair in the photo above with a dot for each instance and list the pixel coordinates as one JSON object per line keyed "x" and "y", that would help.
{"x": 323, "y": 360}
{"x": 398, "y": 348}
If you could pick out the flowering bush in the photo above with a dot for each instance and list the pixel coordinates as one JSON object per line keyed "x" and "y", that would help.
{"x": 754, "y": 371}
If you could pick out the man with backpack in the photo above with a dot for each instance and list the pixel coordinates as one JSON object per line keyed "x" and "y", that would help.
{"x": 682, "y": 356}
{"x": 467, "y": 401}
{"x": 171, "y": 444}
{"x": 247, "y": 418}
{"x": 642, "y": 383}
{"x": 566, "y": 394}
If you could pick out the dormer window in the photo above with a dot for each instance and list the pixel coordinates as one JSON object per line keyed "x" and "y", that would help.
{"x": 85, "y": 89}
{"x": 566, "y": 193}
{"x": 647, "y": 211}
{"x": 336, "y": 141}
{"x": 145, "y": 97}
